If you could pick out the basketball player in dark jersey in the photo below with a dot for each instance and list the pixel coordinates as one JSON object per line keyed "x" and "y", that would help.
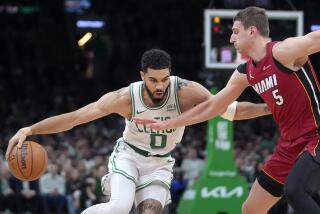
{"x": 280, "y": 72}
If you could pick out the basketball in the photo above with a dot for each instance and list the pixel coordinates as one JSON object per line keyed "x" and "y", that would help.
{"x": 29, "y": 162}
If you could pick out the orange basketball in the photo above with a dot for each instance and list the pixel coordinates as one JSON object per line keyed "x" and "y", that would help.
{"x": 29, "y": 162}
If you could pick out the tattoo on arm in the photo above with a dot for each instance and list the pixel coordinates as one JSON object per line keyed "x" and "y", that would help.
{"x": 267, "y": 110}
{"x": 150, "y": 206}
{"x": 182, "y": 83}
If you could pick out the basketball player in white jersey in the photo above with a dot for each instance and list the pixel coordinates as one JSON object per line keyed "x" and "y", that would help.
{"x": 140, "y": 167}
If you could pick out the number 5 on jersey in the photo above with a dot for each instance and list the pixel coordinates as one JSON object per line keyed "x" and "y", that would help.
{"x": 277, "y": 97}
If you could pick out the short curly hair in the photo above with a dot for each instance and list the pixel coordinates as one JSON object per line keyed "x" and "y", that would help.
{"x": 155, "y": 59}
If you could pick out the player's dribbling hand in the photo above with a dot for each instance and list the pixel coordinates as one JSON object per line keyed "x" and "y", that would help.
{"x": 153, "y": 124}
{"x": 18, "y": 138}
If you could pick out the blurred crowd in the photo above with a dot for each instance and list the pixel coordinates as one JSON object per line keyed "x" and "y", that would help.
{"x": 44, "y": 73}
{"x": 78, "y": 158}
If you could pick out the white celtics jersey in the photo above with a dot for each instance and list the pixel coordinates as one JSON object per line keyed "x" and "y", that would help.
{"x": 155, "y": 142}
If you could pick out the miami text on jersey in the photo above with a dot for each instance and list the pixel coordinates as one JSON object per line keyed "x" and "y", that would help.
{"x": 265, "y": 84}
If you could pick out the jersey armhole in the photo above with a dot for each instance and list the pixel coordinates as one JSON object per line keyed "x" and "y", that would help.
{"x": 278, "y": 64}
{"x": 281, "y": 67}
{"x": 132, "y": 102}
{"x": 176, "y": 93}
{"x": 242, "y": 68}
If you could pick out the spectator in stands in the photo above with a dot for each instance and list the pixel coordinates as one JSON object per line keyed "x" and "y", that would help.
{"x": 73, "y": 188}
{"x": 7, "y": 196}
{"x": 178, "y": 186}
{"x": 52, "y": 188}
{"x": 192, "y": 166}
{"x": 27, "y": 195}
{"x": 88, "y": 195}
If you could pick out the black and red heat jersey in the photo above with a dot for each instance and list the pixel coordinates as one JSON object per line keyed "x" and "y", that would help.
{"x": 292, "y": 96}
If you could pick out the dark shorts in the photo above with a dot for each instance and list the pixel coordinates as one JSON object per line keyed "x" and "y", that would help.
{"x": 276, "y": 170}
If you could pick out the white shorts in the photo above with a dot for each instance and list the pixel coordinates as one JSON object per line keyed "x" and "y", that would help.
{"x": 143, "y": 171}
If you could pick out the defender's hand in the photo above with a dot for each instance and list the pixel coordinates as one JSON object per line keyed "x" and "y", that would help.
{"x": 160, "y": 125}
{"x": 153, "y": 124}
{"x": 143, "y": 121}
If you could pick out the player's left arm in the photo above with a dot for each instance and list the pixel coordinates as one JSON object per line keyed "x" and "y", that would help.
{"x": 246, "y": 110}
{"x": 192, "y": 93}
{"x": 293, "y": 52}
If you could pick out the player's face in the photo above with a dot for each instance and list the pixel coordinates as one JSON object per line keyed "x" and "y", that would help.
{"x": 156, "y": 83}
{"x": 241, "y": 38}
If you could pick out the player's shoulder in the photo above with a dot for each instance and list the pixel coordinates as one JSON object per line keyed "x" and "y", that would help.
{"x": 191, "y": 93}
{"x": 117, "y": 101}
{"x": 190, "y": 89}
{"x": 123, "y": 95}
{"x": 125, "y": 91}
{"x": 242, "y": 68}
{"x": 183, "y": 83}
{"x": 186, "y": 86}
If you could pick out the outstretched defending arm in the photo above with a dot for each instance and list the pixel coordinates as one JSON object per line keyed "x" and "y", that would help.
{"x": 215, "y": 105}
{"x": 192, "y": 93}
{"x": 247, "y": 110}
{"x": 113, "y": 102}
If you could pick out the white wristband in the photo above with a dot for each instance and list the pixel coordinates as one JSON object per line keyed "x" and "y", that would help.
{"x": 230, "y": 112}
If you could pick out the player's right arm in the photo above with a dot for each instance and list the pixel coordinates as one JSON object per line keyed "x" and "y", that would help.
{"x": 113, "y": 102}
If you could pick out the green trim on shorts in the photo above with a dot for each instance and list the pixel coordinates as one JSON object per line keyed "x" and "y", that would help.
{"x": 168, "y": 184}
{"x": 114, "y": 166}
{"x": 124, "y": 176}
{"x": 115, "y": 169}
{"x": 144, "y": 185}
